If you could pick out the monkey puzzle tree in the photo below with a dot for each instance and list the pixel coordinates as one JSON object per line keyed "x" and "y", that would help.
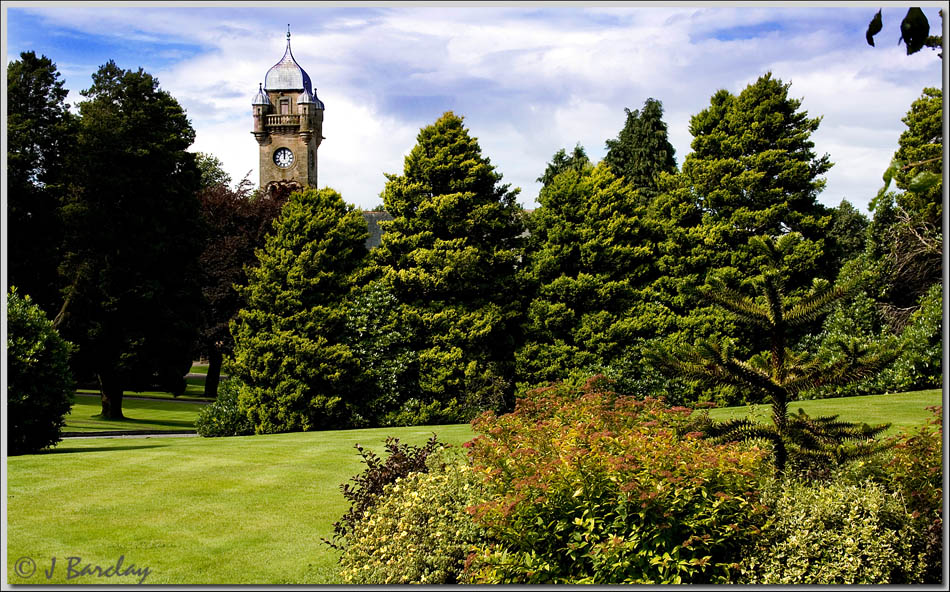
{"x": 780, "y": 373}
{"x": 298, "y": 373}
{"x": 449, "y": 255}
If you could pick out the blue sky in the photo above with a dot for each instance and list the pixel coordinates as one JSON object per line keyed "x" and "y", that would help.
{"x": 529, "y": 79}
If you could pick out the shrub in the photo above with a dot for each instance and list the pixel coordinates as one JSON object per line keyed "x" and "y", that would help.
{"x": 915, "y": 470}
{"x": 368, "y": 486}
{"x": 414, "y": 412}
{"x": 834, "y": 533}
{"x": 591, "y": 487}
{"x": 224, "y": 417}
{"x": 39, "y": 381}
{"x": 419, "y": 532}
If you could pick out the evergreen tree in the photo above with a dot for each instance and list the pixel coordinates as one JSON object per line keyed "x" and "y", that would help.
{"x": 41, "y": 135}
{"x": 561, "y": 162}
{"x": 779, "y": 373}
{"x": 449, "y": 255}
{"x": 133, "y": 237}
{"x": 642, "y": 149}
{"x": 588, "y": 258}
{"x": 298, "y": 373}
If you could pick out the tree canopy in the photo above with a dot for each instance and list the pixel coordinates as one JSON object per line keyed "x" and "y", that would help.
{"x": 449, "y": 255}
{"x": 132, "y": 238}
{"x": 41, "y": 135}
{"x": 298, "y": 373}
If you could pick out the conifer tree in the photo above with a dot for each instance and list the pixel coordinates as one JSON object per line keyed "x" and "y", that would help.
{"x": 298, "y": 373}
{"x": 642, "y": 149}
{"x": 590, "y": 254}
{"x": 777, "y": 375}
{"x": 449, "y": 255}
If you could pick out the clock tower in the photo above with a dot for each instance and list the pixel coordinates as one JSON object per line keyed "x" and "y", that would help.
{"x": 288, "y": 125}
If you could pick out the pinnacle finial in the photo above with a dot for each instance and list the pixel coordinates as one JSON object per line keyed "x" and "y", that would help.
{"x": 288, "y": 31}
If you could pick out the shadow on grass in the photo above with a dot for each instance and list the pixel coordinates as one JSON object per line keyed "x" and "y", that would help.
{"x": 61, "y": 450}
{"x": 170, "y": 423}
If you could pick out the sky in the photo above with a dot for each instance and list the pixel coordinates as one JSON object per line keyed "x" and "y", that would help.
{"x": 528, "y": 78}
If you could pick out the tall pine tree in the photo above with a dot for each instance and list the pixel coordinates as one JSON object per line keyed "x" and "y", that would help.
{"x": 642, "y": 149}
{"x": 296, "y": 370}
{"x": 449, "y": 255}
{"x": 41, "y": 137}
{"x": 589, "y": 256}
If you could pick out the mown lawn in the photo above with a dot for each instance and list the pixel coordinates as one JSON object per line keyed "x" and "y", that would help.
{"x": 195, "y": 511}
{"x": 899, "y": 409}
{"x": 232, "y": 511}
{"x": 139, "y": 415}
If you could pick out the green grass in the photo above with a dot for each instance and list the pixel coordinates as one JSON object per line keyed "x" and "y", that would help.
{"x": 199, "y": 369}
{"x": 195, "y": 511}
{"x": 139, "y": 415}
{"x": 900, "y": 409}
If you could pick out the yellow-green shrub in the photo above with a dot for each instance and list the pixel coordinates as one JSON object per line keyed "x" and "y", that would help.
{"x": 419, "y": 532}
{"x": 835, "y": 533}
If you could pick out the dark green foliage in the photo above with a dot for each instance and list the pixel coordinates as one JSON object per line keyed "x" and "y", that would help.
{"x": 848, "y": 234}
{"x": 290, "y": 353}
{"x": 642, "y": 149}
{"x": 914, "y": 29}
{"x": 780, "y": 374}
{"x": 368, "y": 487}
{"x": 752, "y": 171}
{"x": 236, "y": 223}
{"x": 588, "y": 487}
{"x": 419, "y": 532}
{"x": 133, "y": 239}
{"x": 224, "y": 417}
{"x": 577, "y": 161}
{"x": 41, "y": 137}
{"x": 834, "y": 533}
{"x": 588, "y": 254}
{"x": 39, "y": 382}
{"x": 381, "y": 340}
{"x": 449, "y": 255}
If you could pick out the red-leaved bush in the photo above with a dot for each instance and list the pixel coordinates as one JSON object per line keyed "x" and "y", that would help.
{"x": 591, "y": 487}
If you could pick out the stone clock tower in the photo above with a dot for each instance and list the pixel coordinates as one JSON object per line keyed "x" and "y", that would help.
{"x": 288, "y": 125}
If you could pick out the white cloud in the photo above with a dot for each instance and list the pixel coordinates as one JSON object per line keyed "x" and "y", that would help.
{"x": 529, "y": 80}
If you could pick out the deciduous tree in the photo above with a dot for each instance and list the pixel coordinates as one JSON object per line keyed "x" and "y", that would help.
{"x": 133, "y": 238}
{"x": 236, "y": 222}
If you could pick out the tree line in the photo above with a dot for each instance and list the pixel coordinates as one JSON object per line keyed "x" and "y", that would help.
{"x": 144, "y": 256}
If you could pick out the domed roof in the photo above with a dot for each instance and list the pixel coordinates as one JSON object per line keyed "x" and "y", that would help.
{"x": 306, "y": 97}
{"x": 261, "y": 97}
{"x": 287, "y": 73}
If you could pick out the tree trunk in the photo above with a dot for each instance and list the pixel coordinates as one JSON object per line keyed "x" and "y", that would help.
{"x": 214, "y": 373}
{"x": 111, "y": 398}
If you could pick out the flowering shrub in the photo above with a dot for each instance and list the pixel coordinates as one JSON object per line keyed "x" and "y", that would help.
{"x": 368, "y": 487}
{"x": 419, "y": 532}
{"x": 591, "y": 487}
{"x": 835, "y": 533}
{"x": 224, "y": 417}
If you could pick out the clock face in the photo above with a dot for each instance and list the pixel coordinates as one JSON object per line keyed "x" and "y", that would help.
{"x": 283, "y": 157}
